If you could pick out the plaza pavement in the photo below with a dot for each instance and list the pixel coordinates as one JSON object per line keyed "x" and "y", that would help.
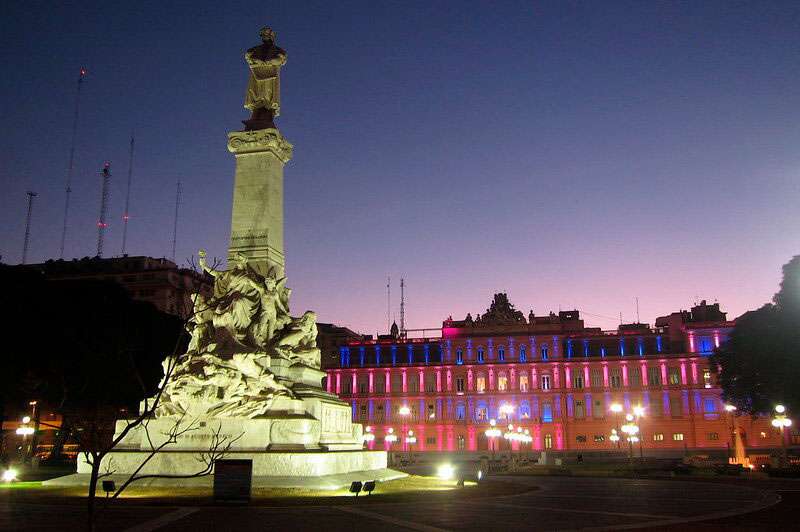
{"x": 560, "y": 503}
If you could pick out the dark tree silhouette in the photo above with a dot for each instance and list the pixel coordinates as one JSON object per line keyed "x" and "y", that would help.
{"x": 759, "y": 365}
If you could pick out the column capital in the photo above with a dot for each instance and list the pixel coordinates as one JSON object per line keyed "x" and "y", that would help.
{"x": 261, "y": 140}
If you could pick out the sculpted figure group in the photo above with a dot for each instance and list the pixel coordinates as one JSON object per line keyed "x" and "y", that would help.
{"x": 235, "y": 333}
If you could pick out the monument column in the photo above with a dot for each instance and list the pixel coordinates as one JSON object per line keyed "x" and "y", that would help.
{"x": 261, "y": 152}
{"x": 257, "y": 217}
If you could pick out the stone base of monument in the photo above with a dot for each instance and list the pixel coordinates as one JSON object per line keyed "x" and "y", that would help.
{"x": 307, "y": 441}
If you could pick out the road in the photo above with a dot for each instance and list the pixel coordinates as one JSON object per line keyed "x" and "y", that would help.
{"x": 561, "y": 503}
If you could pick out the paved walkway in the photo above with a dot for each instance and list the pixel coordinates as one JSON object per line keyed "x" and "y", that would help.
{"x": 562, "y": 503}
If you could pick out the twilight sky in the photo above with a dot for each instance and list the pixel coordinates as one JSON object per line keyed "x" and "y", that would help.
{"x": 573, "y": 154}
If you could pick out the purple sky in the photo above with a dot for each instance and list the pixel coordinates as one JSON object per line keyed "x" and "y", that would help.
{"x": 571, "y": 154}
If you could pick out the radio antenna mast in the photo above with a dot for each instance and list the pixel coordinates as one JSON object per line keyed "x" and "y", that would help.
{"x": 125, "y": 215}
{"x": 175, "y": 224}
{"x": 31, "y": 195}
{"x": 402, "y": 308}
{"x": 101, "y": 221}
{"x": 68, "y": 189}
{"x": 388, "y": 304}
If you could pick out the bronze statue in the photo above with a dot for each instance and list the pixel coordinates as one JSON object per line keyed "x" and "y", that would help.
{"x": 263, "y": 97}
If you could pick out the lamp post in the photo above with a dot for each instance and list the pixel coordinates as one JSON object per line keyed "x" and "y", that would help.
{"x": 404, "y": 412}
{"x": 616, "y": 408}
{"x": 730, "y": 409}
{"x": 505, "y": 410}
{"x": 780, "y": 421}
{"x": 492, "y": 433}
{"x": 631, "y": 429}
{"x": 638, "y": 411}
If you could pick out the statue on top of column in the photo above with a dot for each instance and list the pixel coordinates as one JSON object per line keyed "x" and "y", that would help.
{"x": 263, "y": 97}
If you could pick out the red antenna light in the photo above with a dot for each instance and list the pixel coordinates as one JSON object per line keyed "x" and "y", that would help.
{"x": 83, "y": 72}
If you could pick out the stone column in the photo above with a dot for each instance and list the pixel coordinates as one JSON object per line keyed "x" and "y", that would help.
{"x": 257, "y": 217}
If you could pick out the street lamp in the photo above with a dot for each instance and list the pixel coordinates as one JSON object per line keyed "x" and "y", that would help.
{"x": 410, "y": 438}
{"x": 730, "y": 409}
{"x": 404, "y": 411}
{"x": 492, "y": 433}
{"x": 368, "y": 435}
{"x": 780, "y": 421}
{"x": 632, "y": 430}
{"x": 638, "y": 411}
{"x": 390, "y": 437}
{"x": 616, "y": 408}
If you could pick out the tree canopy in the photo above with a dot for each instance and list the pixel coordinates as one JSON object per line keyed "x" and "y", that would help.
{"x": 759, "y": 364}
{"x": 80, "y": 345}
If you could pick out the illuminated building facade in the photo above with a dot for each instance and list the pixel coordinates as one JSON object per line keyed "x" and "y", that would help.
{"x": 565, "y": 385}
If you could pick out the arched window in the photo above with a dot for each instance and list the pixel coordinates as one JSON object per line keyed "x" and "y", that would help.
{"x": 502, "y": 381}
{"x": 547, "y": 412}
{"x": 480, "y": 383}
{"x": 459, "y": 356}
{"x": 501, "y": 353}
{"x": 523, "y": 355}
{"x": 460, "y": 411}
{"x": 544, "y": 352}
{"x": 523, "y": 382}
{"x": 524, "y": 410}
{"x": 548, "y": 441}
{"x": 480, "y": 354}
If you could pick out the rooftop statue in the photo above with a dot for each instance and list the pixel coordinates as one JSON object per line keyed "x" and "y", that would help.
{"x": 263, "y": 96}
{"x": 502, "y": 312}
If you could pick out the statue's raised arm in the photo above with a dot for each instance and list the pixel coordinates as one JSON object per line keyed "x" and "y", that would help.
{"x": 204, "y": 265}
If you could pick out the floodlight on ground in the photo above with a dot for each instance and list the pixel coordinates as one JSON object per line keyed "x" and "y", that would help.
{"x": 479, "y": 474}
{"x": 446, "y": 471}
{"x": 355, "y": 487}
{"x": 9, "y": 475}
{"x": 369, "y": 487}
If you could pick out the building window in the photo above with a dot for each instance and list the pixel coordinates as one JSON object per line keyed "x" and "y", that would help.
{"x": 544, "y": 352}
{"x": 523, "y": 383}
{"x": 481, "y": 413}
{"x": 659, "y": 436}
{"x": 580, "y": 438}
{"x": 545, "y": 382}
{"x": 548, "y": 441}
{"x": 362, "y": 388}
{"x": 346, "y": 386}
{"x": 763, "y": 435}
{"x": 547, "y": 412}
{"x": 460, "y": 411}
{"x": 678, "y": 436}
{"x": 675, "y": 407}
{"x": 523, "y": 356}
{"x": 598, "y": 410}
{"x": 480, "y": 384}
{"x": 363, "y": 412}
{"x": 462, "y": 442}
{"x": 580, "y": 410}
{"x": 599, "y": 438}
{"x": 379, "y": 413}
{"x": 709, "y": 405}
{"x": 460, "y": 384}
{"x": 459, "y": 356}
{"x": 615, "y": 377}
{"x": 431, "y": 440}
{"x": 705, "y": 345}
{"x": 524, "y": 410}
{"x": 501, "y": 354}
{"x": 413, "y": 383}
{"x": 597, "y": 378}
{"x": 480, "y": 354}
{"x": 674, "y": 376}
{"x": 430, "y": 382}
{"x": 654, "y": 376}
{"x": 502, "y": 382}
{"x": 577, "y": 381}
{"x": 634, "y": 376}
{"x": 707, "y": 378}
{"x": 380, "y": 384}
{"x": 713, "y": 435}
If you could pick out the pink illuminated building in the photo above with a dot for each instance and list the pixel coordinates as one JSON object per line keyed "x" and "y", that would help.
{"x": 565, "y": 385}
